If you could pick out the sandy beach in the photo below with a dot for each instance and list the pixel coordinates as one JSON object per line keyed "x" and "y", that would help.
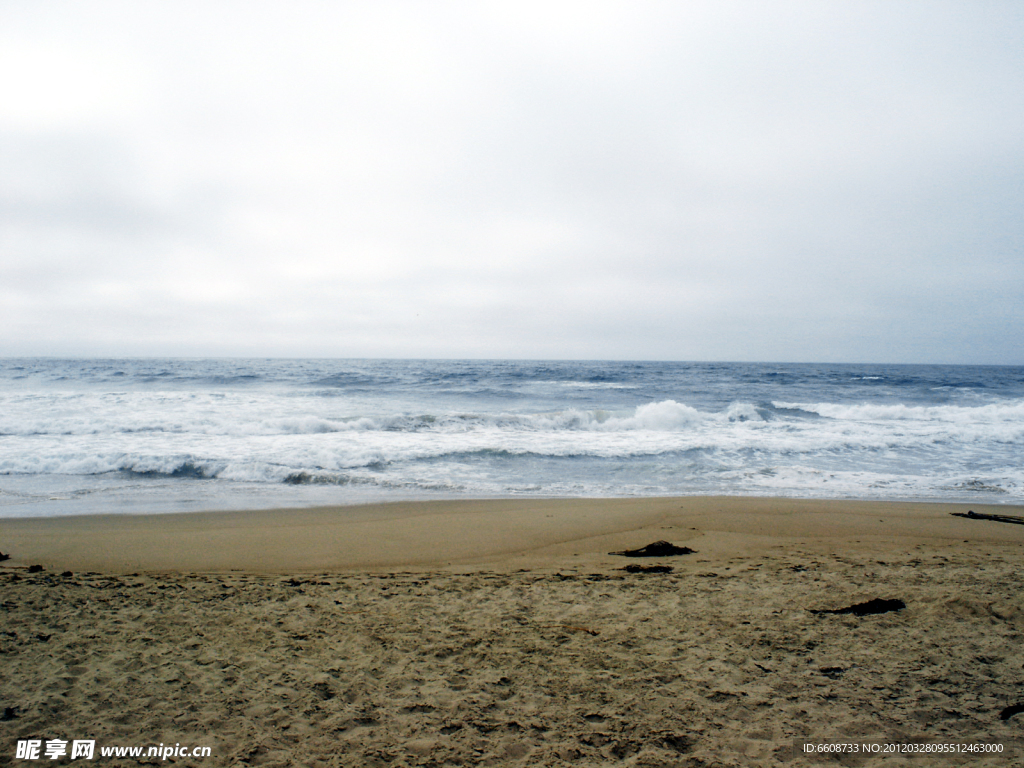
{"x": 502, "y": 632}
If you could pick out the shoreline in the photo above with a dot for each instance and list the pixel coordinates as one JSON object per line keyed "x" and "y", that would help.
{"x": 495, "y": 534}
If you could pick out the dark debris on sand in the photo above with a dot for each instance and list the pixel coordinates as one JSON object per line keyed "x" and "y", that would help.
{"x": 873, "y": 606}
{"x": 631, "y": 568}
{"x": 972, "y": 515}
{"x": 656, "y": 549}
{"x": 1010, "y": 711}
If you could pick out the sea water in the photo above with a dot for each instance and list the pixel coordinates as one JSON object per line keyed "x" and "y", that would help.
{"x": 166, "y": 435}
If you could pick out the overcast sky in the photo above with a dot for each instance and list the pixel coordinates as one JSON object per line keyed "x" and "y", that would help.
{"x": 776, "y": 181}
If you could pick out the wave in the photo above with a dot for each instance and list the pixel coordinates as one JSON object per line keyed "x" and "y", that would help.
{"x": 456, "y": 473}
{"x": 126, "y": 417}
{"x": 1007, "y": 411}
{"x": 187, "y": 468}
{"x": 667, "y": 415}
{"x": 611, "y": 463}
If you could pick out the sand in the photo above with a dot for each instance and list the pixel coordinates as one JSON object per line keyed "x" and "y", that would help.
{"x": 503, "y": 633}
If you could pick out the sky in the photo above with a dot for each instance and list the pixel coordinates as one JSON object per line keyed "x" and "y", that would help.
{"x": 749, "y": 181}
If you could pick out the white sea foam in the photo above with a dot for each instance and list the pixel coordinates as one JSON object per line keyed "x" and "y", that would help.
{"x": 1009, "y": 411}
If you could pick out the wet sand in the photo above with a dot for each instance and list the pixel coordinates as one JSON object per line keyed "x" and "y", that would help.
{"x": 503, "y": 633}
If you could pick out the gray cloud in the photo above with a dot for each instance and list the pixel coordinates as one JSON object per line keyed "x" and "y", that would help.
{"x": 791, "y": 181}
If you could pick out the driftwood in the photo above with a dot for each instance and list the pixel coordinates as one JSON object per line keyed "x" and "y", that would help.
{"x": 870, "y": 607}
{"x": 972, "y": 515}
{"x": 657, "y": 549}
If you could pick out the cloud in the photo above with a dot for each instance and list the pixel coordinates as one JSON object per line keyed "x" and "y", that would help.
{"x": 712, "y": 181}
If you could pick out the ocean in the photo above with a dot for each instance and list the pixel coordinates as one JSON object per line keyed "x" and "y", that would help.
{"x": 173, "y": 435}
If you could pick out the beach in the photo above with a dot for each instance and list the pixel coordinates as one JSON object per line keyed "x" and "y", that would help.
{"x": 503, "y": 632}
